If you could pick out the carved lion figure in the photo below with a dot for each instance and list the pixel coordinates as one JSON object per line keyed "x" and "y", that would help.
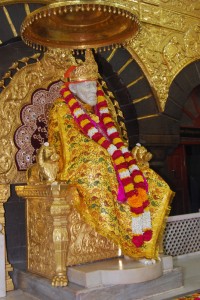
{"x": 46, "y": 167}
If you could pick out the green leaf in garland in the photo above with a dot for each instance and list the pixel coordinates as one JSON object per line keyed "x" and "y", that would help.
{"x": 153, "y": 203}
{"x": 96, "y": 182}
{"x": 80, "y": 181}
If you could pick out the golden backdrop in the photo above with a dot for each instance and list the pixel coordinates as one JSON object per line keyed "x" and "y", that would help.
{"x": 169, "y": 39}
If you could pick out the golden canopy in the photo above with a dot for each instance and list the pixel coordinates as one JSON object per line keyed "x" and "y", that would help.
{"x": 80, "y": 25}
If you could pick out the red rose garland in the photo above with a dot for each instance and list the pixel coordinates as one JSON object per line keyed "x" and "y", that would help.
{"x": 133, "y": 181}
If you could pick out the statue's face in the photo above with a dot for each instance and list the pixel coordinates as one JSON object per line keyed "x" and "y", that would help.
{"x": 86, "y": 91}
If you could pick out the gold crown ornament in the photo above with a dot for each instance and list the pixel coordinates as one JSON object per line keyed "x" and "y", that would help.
{"x": 87, "y": 70}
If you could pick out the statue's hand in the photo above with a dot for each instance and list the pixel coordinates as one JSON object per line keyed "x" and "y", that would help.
{"x": 59, "y": 280}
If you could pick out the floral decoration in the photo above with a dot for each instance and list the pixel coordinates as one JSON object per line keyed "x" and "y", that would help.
{"x": 133, "y": 187}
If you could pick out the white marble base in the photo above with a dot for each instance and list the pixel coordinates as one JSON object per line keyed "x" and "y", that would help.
{"x": 2, "y": 265}
{"x": 43, "y": 290}
{"x": 113, "y": 272}
{"x": 167, "y": 262}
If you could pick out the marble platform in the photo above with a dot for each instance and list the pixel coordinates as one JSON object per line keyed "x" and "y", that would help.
{"x": 114, "y": 271}
{"x": 172, "y": 278}
{"x": 2, "y": 265}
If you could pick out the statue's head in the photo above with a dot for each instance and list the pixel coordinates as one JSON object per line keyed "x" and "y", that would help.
{"x": 82, "y": 79}
{"x": 86, "y": 91}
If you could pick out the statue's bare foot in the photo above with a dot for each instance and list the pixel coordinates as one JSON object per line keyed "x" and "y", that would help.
{"x": 59, "y": 280}
{"x": 148, "y": 262}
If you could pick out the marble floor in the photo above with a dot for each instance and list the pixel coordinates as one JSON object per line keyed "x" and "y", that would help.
{"x": 191, "y": 269}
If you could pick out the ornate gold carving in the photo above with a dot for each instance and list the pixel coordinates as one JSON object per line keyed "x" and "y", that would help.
{"x": 163, "y": 63}
{"x": 150, "y": 13}
{"x": 87, "y": 70}
{"x": 15, "y": 96}
{"x": 163, "y": 47}
{"x": 141, "y": 154}
{"x": 47, "y": 213}
{"x": 191, "y": 41}
{"x": 187, "y": 6}
{"x": 60, "y": 211}
{"x": 172, "y": 53}
{"x": 57, "y": 237}
{"x": 161, "y": 20}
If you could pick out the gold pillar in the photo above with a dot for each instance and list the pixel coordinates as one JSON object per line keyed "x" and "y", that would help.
{"x": 60, "y": 209}
{"x": 4, "y": 195}
{"x": 47, "y": 210}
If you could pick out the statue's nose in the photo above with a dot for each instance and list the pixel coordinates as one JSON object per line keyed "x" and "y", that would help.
{"x": 94, "y": 89}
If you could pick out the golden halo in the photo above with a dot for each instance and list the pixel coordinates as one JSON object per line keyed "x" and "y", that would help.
{"x": 79, "y": 26}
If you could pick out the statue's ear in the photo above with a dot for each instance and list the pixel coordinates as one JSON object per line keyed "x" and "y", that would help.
{"x": 73, "y": 88}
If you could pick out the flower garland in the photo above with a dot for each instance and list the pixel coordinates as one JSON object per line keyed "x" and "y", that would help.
{"x": 132, "y": 179}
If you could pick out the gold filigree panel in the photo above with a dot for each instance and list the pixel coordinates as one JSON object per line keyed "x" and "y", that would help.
{"x": 184, "y": 6}
{"x": 41, "y": 260}
{"x": 187, "y": 6}
{"x": 86, "y": 245}
{"x": 174, "y": 50}
{"x": 169, "y": 40}
{"x": 52, "y": 220}
{"x": 17, "y": 94}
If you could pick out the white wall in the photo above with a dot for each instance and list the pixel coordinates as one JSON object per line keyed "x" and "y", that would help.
{"x": 2, "y": 265}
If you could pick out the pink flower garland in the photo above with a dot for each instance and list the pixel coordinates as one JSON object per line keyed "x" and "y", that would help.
{"x": 132, "y": 179}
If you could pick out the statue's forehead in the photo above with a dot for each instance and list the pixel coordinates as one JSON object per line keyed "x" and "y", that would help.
{"x": 86, "y": 83}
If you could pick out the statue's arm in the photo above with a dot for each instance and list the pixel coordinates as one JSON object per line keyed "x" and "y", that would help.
{"x": 60, "y": 125}
{"x": 54, "y": 134}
